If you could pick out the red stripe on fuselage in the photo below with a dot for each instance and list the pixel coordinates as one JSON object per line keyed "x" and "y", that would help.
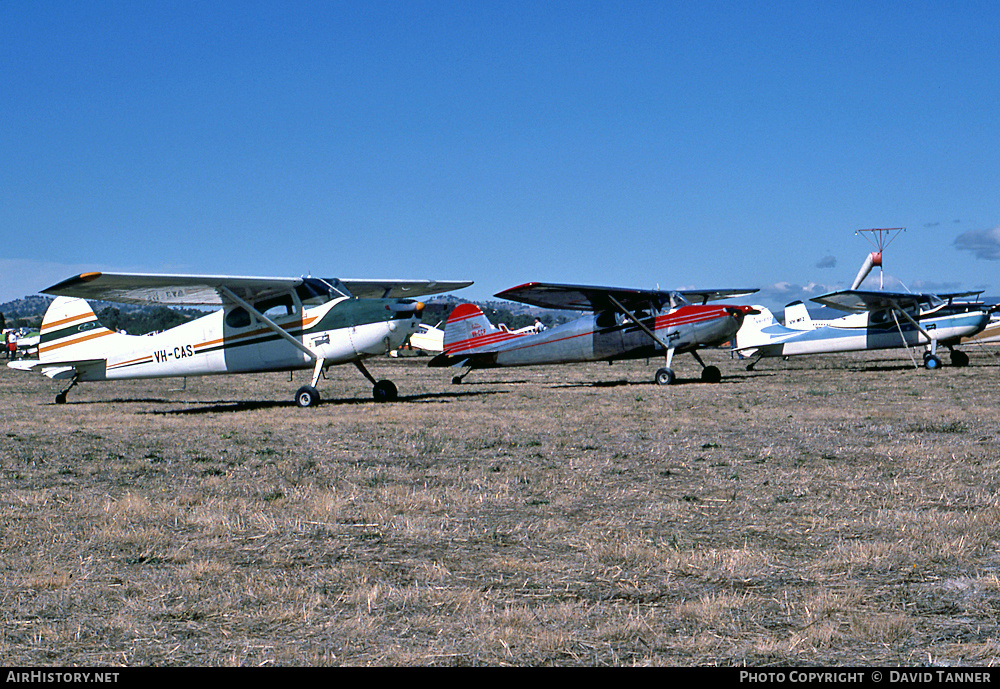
{"x": 686, "y": 315}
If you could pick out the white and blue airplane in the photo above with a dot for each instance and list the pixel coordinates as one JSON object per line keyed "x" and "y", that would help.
{"x": 875, "y": 320}
{"x": 262, "y": 324}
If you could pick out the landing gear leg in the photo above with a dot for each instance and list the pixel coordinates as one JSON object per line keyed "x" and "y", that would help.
{"x": 931, "y": 359}
{"x": 308, "y": 395}
{"x": 61, "y": 397}
{"x": 382, "y": 390}
{"x": 665, "y": 375}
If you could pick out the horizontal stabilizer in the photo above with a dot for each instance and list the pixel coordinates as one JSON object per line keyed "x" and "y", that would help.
{"x": 59, "y": 370}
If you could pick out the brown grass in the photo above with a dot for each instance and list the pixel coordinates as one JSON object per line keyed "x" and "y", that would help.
{"x": 833, "y": 510}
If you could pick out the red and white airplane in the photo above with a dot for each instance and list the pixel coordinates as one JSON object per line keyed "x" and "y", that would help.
{"x": 621, "y": 323}
{"x": 264, "y": 324}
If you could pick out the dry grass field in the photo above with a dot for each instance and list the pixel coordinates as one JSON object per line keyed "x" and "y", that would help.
{"x": 828, "y": 510}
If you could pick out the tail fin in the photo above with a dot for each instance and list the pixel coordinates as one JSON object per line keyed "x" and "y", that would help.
{"x": 466, "y": 328}
{"x": 71, "y": 332}
{"x": 751, "y": 334}
{"x": 797, "y": 316}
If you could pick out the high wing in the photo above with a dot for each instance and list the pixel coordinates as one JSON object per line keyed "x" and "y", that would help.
{"x": 212, "y": 290}
{"x": 860, "y": 300}
{"x": 590, "y": 298}
{"x": 400, "y": 289}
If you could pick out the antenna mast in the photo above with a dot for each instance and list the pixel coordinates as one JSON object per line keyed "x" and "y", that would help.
{"x": 880, "y": 238}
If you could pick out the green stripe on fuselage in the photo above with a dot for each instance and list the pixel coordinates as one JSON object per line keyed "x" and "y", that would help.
{"x": 352, "y": 312}
{"x": 348, "y": 313}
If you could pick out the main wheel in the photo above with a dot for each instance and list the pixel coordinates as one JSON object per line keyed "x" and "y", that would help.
{"x": 384, "y": 391}
{"x": 959, "y": 358}
{"x": 307, "y": 396}
{"x": 664, "y": 376}
{"x": 711, "y": 374}
{"x": 61, "y": 398}
{"x": 932, "y": 362}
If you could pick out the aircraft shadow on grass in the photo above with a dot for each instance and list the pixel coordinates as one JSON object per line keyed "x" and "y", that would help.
{"x": 253, "y": 405}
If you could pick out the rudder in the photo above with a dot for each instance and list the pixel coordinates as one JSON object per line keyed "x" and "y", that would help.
{"x": 751, "y": 334}
{"x": 797, "y": 316}
{"x": 70, "y": 331}
{"x": 465, "y": 326}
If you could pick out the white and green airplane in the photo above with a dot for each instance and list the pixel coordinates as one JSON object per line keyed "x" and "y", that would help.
{"x": 263, "y": 324}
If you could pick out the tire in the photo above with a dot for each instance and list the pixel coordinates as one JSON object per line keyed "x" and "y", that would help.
{"x": 307, "y": 396}
{"x": 664, "y": 376}
{"x": 711, "y": 374}
{"x": 61, "y": 398}
{"x": 959, "y": 358}
{"x": 385, "y": 391}
{"x": 932, "y": 362}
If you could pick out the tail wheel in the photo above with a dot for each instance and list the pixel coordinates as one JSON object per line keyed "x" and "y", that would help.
{"x": 385, "y": 391}
{"x": 307, "y": 396}
{"x": 664, "y": 376}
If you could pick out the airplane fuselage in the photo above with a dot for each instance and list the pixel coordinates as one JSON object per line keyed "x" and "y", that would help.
{"x": 604, "y": 337}
{"x": 862, "y": 332}
{"x": 231, "y": 341}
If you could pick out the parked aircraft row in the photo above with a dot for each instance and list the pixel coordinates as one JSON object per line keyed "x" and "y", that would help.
{"x": 285, "y": 324}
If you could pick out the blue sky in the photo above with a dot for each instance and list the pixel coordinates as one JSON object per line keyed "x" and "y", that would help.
{"x": 670, "y": 144}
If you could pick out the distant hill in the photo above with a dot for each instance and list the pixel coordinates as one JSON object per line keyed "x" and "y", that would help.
{"x": 28, "y": 307}
{"x": 139, "y": 320}
{"x": 132, "y": 318}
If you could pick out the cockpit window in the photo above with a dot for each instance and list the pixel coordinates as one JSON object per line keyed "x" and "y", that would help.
{"x": 887, "y": 316}
{"x": 677, "y": 300}
{"x": 238, "y": 318}
{"x": 277, "y": 307}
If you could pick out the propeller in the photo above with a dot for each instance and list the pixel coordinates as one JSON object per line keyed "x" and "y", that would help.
{"x": 414, "y": 308}
{"x": 741, "y": 312}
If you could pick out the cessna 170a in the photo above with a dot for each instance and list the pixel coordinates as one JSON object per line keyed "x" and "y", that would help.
{"x": 621, "y": 324}
{"x": 265, "y": 324}
{"x": 877, "y": 320}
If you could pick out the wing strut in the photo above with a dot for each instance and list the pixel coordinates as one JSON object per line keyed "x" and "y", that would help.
{"x": 278, "y": 330}
{"x": 930, "y": 340}
{"x": 642, "y": 326}
{"x": 903, "y": 338}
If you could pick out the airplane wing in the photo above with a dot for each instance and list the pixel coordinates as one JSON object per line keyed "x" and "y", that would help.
{"x": 590, "y": 298}
{"x": 861, "y": 300}
{"x": 207, "y": 290}
{"x": 705, "y": 296}
{"x": 400, "y": 289}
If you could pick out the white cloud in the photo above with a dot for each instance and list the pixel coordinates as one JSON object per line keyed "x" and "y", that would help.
{"x": 984, "y": 244}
